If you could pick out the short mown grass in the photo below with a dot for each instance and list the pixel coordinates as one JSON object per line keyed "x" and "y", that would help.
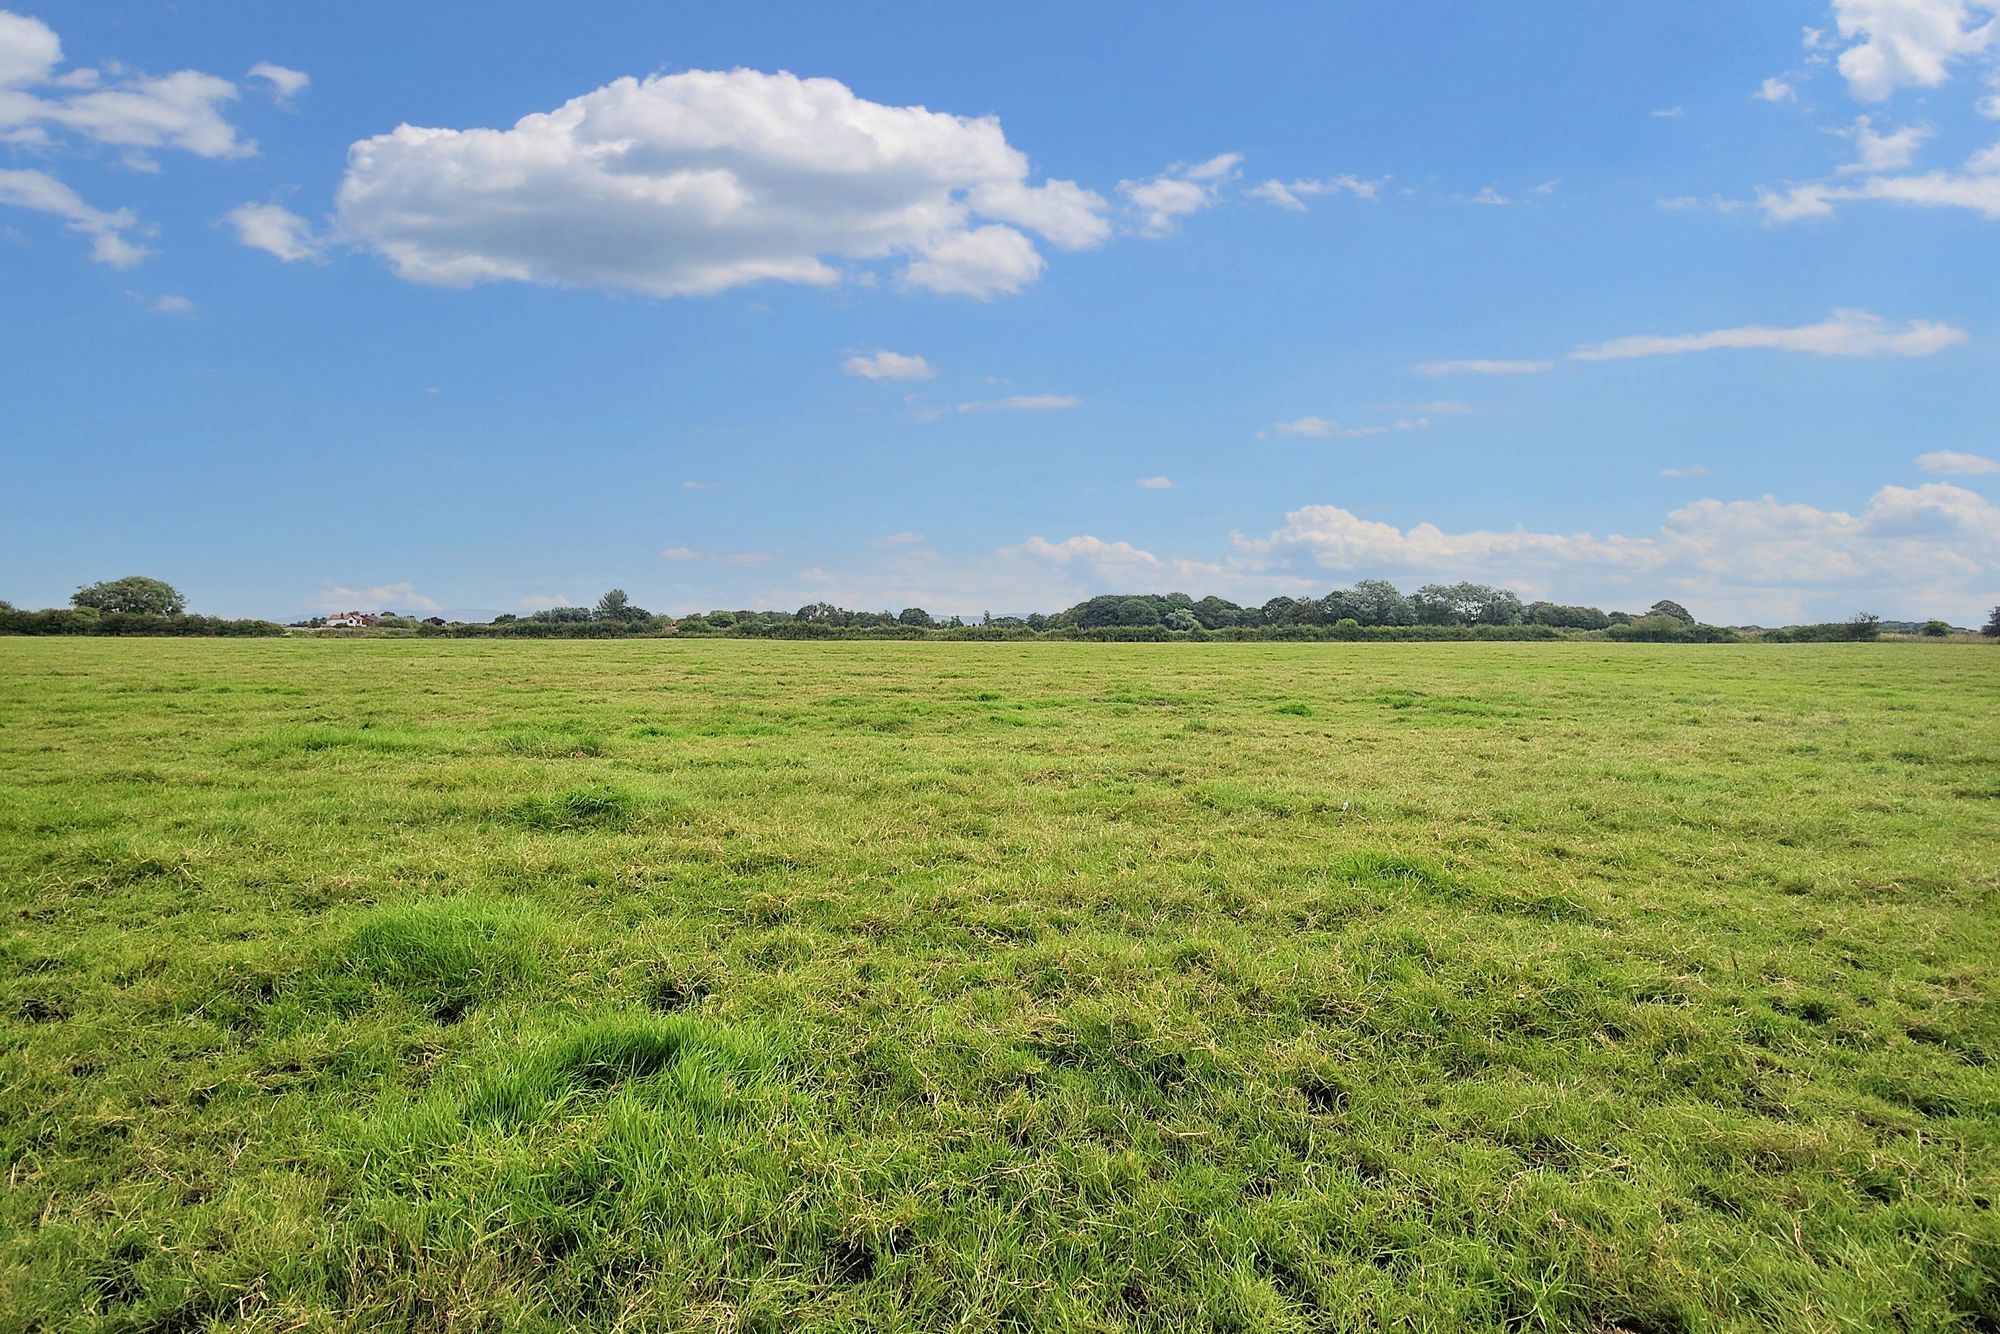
{"x": 414, "y": 985}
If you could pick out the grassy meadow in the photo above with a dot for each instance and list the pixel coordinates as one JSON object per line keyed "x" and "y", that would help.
{"x": 735, "y": 985}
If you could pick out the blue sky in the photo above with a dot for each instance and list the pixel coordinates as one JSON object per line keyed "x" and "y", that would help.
{"x": 317, "y": 307}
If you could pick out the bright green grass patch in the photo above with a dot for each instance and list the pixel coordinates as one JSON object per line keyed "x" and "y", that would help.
{"x": 444, "y": 955}
{"x": 421, "y": 985}
{"x": 590, "y": 806}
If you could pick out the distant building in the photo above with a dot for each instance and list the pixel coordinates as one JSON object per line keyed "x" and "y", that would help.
{"x": 351, "y": 620}
{"x": 436, "y": 620}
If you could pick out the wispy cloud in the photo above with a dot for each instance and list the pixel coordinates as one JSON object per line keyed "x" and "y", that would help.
{"x": 1156, "y": 484}
{"x": 1848, "y": 333}
{"x": 1693, "y": 470}
{"x": 399, "y": 596}
{"x": 719, "y": 557}
{"x": 1291, "y": 195}
{"x": 1483, "y": 366}
{"x": 1325, "y": 428}
{"x": 1012, "y": 403}
{"x": 285, "y": 84}
{"x": 1952, "y": 463}
{"x": 1160, "y": 202}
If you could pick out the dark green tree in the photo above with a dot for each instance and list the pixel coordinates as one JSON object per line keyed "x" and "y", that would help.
{"x": 1674, "y": 609}
{"x": 916, "y": 616}
{"x": 1992, "y": 627}
{"x": 1934, "y": 629}
{"x": 133, "y": 593}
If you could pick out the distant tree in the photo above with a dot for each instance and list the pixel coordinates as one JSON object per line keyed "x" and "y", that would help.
{"x": 1934, "y": 629}
{"x": 619, "y": 609}
{"x": 1180, "y": 618}
{"x": 505, "y": 618}
{"x": 1038, "y": 622}
{"x": 1653, "y": 627}
{"x": 1379, "y": 602}
{"x": 132, "y": 593}
{"x": 563, "y": 615}
{"x": 820, "y": 613}
{"x": 916, "y": 616}
{"x": 1566, "y": 618}
{"x": 1215, "y": 613}
{"x": 1992, "y": 627}
{"x": 1864, "y": 625}
{"x": 1674, "y": 609}
{"x": 1278, "y": 611}
{"x": 1465, "y": 604}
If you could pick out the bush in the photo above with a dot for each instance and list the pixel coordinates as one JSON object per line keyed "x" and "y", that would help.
{"x": 88, "y": 621}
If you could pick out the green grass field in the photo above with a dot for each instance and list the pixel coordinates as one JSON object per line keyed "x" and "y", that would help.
{"x": 734, "y": 985}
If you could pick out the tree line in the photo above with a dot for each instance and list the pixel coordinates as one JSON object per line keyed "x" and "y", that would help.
{"x": 134, "y": 605}
{"x": 1370, "y": 609}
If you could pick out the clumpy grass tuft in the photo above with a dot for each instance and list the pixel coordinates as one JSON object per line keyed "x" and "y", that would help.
{"x": 693, "y": 1059}
{"x": 446, "y": 954}
{"x": 1390, "y": 872}
{"x": 590, "y": 806}
{"x": 553, "y": 741}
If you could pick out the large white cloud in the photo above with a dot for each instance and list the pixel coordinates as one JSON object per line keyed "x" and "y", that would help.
{"x": 1909, "y": 43}
{"x": 687, "y": 184}
{"x": 1927, "y": 548}
{"x": 1931, "y": 550}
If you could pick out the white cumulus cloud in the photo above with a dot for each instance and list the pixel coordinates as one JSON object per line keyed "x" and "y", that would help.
{"x": 1935, "y": 545}
{"x": 1908, "y": 43}
{"x": 275, "y": 230}
{"x": 1879, "y": 151}
{"x": 883, "y": 365}
{"x": 689, "y": 184}
{"x": 285, "y": 83}
{"x": 1161, "y": 201}
{"x": 1953, "y": 463}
